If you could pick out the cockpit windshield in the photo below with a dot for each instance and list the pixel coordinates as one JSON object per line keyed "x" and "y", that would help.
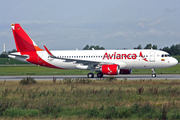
{"x": 165, "y": 55}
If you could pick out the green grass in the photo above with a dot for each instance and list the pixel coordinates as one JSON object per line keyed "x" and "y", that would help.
{"x": 171, "y": 70}
{"x": 100, "y": 99}
{"x": 38, "y": 70}
{"x": 8, "y": 61}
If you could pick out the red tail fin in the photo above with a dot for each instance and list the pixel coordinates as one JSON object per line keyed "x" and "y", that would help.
{"x": 23, "y": 41}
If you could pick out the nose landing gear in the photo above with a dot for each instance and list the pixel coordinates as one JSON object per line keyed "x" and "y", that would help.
{"x": 153, "y": 73}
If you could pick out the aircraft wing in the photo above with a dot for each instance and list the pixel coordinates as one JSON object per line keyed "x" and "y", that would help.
{"x": 84, "y": 62}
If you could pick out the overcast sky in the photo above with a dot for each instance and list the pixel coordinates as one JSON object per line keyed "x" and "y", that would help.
{"x": 71, "y": 24}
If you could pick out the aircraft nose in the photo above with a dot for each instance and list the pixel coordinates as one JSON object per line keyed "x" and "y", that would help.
{"x": 175, "y": 61}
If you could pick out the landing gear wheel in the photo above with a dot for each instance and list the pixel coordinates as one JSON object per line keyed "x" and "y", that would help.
{"x": 90, "y": 75}
{"x": 153, "y": 75}
{"x": 99, "y": 75}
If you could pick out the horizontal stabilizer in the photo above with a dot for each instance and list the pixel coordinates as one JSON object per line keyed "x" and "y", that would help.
{"x": 17, "y": 56}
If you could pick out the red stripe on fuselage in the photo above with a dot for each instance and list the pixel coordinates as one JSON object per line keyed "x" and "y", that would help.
{"x": 35, "y": 59}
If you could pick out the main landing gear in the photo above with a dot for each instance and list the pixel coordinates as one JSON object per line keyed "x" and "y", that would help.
{"x": 91, "y": 75}
{"x": 99, "y": 75}
{"x": 153, "y": 73}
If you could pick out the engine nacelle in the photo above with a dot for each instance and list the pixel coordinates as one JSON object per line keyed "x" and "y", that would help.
{"x": 111, "y": 69}
{"x": 125, "y": 71}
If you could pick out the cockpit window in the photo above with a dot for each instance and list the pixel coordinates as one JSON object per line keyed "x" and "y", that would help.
{"x": 165, "y": 55}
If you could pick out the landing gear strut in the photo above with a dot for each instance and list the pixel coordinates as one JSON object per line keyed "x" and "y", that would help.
{"x": 99, "y": 75}
{"x": 90, "y": 75}
{"x": 153, "y": 74}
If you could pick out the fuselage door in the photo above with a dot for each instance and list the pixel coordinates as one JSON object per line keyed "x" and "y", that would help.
{"x": 152, "y": 56}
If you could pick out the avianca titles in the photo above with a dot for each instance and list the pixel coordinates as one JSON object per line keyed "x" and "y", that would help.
{"x": 110, "y": 62}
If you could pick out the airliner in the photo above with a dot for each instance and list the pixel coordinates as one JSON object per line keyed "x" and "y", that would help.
{"x": 108, "y": 62}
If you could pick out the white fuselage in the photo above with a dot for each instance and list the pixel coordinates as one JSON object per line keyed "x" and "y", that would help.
{"x": 126, "y": 59}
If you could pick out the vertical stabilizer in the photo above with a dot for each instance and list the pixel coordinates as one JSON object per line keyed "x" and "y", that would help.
{"x": 23, "y": 42}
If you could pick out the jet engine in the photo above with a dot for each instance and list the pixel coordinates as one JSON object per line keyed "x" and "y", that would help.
{"x": 111, "y": 69}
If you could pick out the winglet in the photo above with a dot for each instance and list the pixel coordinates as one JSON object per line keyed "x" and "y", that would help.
{"x": 48, "y": 51}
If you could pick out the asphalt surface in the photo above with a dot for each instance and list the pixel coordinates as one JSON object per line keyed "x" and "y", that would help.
{"x": 119, "y": 77}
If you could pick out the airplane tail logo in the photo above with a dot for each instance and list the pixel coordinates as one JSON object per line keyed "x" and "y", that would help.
{"x": 27, "y": 48}
{"x": 23, "y": 42}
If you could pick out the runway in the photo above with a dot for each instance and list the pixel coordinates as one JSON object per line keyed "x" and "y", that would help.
{"x": 119, "y": 77}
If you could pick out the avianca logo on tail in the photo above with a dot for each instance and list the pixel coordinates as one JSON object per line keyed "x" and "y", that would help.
{"x": 123, "y": 56}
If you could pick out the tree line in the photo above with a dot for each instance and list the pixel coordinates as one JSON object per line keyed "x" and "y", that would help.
{"x": 95, "y": 47}
{"x": 172, "y": 50}
{"x": 5, "y": 54}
